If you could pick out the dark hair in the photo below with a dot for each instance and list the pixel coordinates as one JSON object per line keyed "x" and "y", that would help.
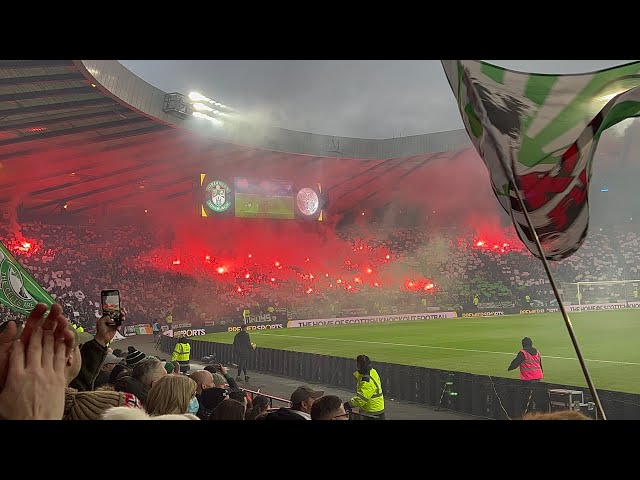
{"x": 211, "y": 369}
{"x": 117, "y": 370}
{"x": 363, "y": 363}
{"x": 243, "y": 326}
{"x": 325, "y": 407}
{"x": 228, "y": 410}
{"x": 527, "y": 342}
{"x": 260, "y": 404}
{"x": 238, "y": 395}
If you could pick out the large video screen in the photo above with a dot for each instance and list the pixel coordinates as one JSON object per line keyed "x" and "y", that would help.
{"x": 242, "y": 197}
{"x": 264, "y": 198}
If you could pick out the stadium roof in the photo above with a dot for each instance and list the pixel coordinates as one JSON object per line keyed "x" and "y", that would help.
{"x": 94, "y": 136}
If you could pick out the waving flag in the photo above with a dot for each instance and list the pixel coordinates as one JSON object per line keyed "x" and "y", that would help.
{"x": 545, "y": 130}
{"x": 18, "y": 290}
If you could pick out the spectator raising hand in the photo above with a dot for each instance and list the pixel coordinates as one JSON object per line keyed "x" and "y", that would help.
{"x": 35, "y": 383}
{"x": 55, "y": 323}
{"x": 106, "y": 330}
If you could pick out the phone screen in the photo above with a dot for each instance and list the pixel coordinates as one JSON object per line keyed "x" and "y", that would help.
{"x": 110, "y": 300}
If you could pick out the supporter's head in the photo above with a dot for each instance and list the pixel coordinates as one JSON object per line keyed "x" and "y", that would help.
{"x": 176, "y": 367}
{"x": 133, "y": 357}
{"x": 219, "y": 380}
{"x": 328, "y": 407}
{"x": 239, "y": 396}
{"x": 171, "y": 394}
{"x": 168, "y": 366}
{"x": 116, "y": 372}
{"x": 203, "y": 379}
{"x": 126, "y": 413}
{"x": 110, "y": 362}
{"x": 527, "y": 342}
{"x": 243, "y": 327}
{"x": 303, "y": 397}
{"x": 118, "y": 352}
{"x": 148, "y": 372}
{"x": 363, "y": 363}
{"x": 260, "y": 404}
{"x": 228, "y": 410}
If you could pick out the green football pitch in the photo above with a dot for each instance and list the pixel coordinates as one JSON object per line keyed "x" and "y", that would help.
{"x": 484, "y": 346}
{"x": 260, "y": 206}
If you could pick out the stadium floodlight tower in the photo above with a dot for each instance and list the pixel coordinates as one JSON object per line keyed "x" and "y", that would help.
{"x": 177, "y": 104}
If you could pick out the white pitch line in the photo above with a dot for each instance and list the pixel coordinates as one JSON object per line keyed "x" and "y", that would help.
{"x": 434, "y": 347}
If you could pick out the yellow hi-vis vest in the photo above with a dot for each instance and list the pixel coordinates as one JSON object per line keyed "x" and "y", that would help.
{"x": 181, "y": 352}
{"x": 246, "y": 313}
{"x": 369, "y": 396}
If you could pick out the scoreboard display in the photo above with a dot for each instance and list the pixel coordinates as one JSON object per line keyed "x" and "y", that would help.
{"x": 243, "y": 197}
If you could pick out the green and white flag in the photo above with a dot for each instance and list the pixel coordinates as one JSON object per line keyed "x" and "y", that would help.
{"x": 545, "y": 129}
{"x": 18, "y": 289}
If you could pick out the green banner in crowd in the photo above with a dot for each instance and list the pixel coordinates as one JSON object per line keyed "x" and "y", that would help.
{"x": 18, "y": 289}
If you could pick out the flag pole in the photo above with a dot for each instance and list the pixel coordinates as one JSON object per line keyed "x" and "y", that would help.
{"x": 565, "y": 315}
{"x": 473, "y": 96}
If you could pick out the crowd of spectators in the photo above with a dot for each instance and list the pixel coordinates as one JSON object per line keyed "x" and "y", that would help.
{"x": 48, "y": 371}
{"x": 404, "y": 270}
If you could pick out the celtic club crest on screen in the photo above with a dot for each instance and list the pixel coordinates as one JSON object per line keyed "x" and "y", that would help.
{"x": 218, "y": 196}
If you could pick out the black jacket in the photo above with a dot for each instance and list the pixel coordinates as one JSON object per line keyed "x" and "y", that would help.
{"x": 242, "y": 343}
{"x": 92, "y": 354}
{"x": 126, "y": 383}
{"x": 515, "y": 363}
{"x": 102, "y": 379}
{"x": 284, "y": 413}
{"x": 209, "y": 400}
{"x": 211, "y": 397}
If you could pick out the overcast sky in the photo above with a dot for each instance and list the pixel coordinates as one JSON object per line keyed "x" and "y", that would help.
{"x": 351, "y": 98}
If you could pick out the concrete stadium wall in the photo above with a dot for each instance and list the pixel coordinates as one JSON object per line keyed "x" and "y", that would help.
{"x": 115, "y": 80}
{"x": 477, "y": 395}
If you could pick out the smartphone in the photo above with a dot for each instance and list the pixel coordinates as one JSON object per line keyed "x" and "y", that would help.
{"x": 110, "y": 301}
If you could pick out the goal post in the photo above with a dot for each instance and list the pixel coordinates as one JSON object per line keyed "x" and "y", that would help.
{"x": 588, "y": 293}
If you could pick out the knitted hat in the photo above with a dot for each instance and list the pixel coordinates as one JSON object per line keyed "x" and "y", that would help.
{"x": 168, "y": 366}
{"x": 134, "y": 356}
{"x": 219, "y": 380}
{"x": 92, "y": 405}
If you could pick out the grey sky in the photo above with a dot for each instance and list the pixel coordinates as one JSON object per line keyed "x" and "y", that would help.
{"x": 353, "y": 98}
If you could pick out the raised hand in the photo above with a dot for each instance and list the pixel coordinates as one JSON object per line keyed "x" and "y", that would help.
{"x": 36, "y": 382}
{"x": 55, "y": 323}
{"x": 106, "y": 330}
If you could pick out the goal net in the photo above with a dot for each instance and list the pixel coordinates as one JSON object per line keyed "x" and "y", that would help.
{"x": 589, "y": 293}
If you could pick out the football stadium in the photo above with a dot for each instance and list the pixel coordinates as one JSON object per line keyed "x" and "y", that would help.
{"x": 411, "y": 261}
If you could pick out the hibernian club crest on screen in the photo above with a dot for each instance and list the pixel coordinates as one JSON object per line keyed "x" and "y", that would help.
{"x": 12, "y": 286}
{"x": 218, "y": 196}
